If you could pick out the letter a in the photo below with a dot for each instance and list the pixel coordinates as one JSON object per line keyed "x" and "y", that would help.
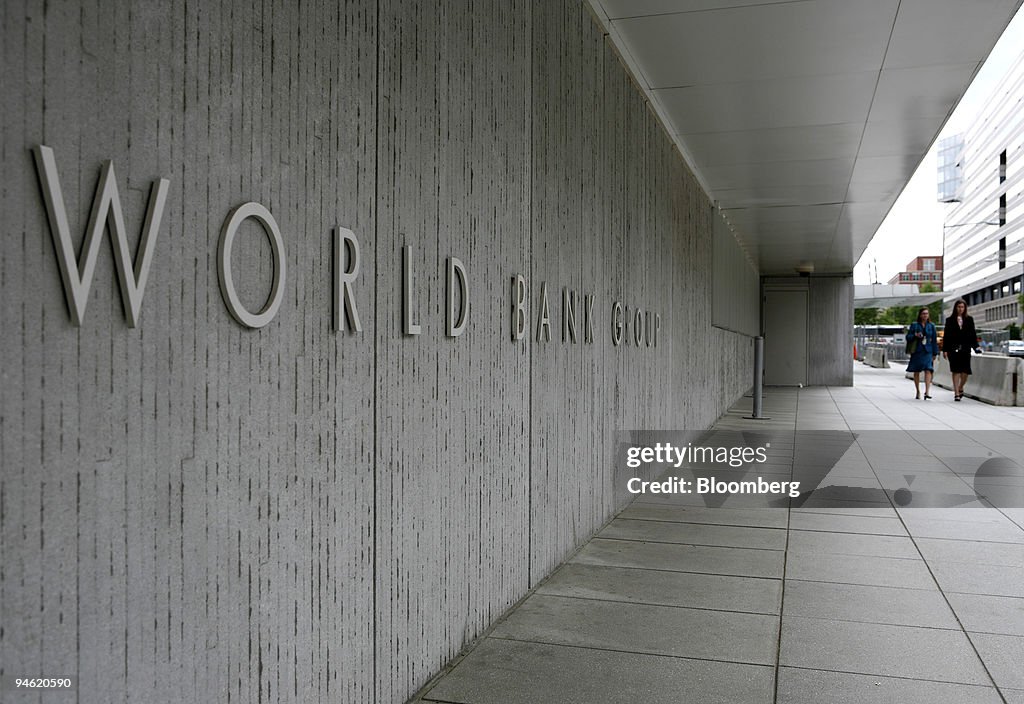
{"x": 106, "y": 210}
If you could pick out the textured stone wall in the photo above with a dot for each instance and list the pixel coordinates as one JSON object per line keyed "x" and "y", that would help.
{"x": 194, "y": 511}
{"x": 830, "y": 331}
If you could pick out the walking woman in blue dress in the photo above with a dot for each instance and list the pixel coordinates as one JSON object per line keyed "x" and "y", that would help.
{"x": 922, "y": 337}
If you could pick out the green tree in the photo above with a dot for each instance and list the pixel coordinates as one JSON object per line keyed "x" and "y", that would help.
{"x": 899, "y": 315}
{"x": 934, "y": 309}
{"x": 865, "y": 316}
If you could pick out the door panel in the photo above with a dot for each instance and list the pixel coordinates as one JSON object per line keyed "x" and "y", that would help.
{"x": 785, "y": 338}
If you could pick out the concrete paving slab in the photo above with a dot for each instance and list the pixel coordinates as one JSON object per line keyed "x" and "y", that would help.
{"x": 641, "y": 628}
{"x": 878, "y": 649}
{"x": 972, "y": 552}
{"x": 513, "y": 672}
{"x": 989, "y": 614}
{"x": 994, "y": 580}
{"x": 999, "y": 532}
{"x": 846, "y": 496}
{"x": 839, "y": 523}
{"x": 702, "y": 591}
{"x": 855, "y": 602}
{"x": 1013, "y": 696}
{"x": 1003, "y": 656}
{"x": 734, "y": 501}
{"x": 800, "y": 686}
{"x": 742, "y": 562}
{"x": 695, "y": 534}
{"x": 957, "y": 514}
{"x": 759, "y": 517}
{"x": 859, "y": 569}
{"x": 886, "y": 511}
{"x": 851, "y": 544}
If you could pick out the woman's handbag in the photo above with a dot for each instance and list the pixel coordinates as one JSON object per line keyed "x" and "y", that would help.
{"x": 912, "y": 343}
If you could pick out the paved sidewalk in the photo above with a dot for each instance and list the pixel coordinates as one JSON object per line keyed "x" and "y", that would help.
{"x": 895, "y": 580}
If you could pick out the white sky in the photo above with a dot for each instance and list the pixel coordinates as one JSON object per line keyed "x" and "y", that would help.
{"x": 914, "y": 225}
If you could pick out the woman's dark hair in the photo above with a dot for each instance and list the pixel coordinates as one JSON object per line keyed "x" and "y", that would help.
{"x": 922, "y": 310}
{"x": 958, "y": 302}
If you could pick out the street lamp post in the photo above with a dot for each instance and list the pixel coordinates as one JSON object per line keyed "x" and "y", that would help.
{"x": 950, "y": 226}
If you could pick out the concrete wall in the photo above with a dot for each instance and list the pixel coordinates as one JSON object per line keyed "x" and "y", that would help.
{"x": 195, "y": 511}
{"x": 736, "y": 282}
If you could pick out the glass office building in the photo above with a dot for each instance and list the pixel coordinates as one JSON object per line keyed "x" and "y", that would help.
{"x": 983, "y": 234}
{"x": 951, "y": 173}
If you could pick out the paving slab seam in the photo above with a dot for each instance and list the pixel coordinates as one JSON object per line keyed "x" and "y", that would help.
{"x": 696, "y": 545}
{"x": 875, "y": 623}
{"x": 861, "y": 584}
{"x": 895, "y": 677}
{"x": 785, "y": 564}
{"x": 621, "y": 651}
{"x": 633, "y": 602}
{"x": 851, "y": 532}
{"x": 659, "y": 569}
{"x": 698, "y": 523}
{"x": 996, "y": 596}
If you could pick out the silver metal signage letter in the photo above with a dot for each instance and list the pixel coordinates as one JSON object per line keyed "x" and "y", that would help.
{"x": 106, "y": 211}
{"x": 346, "y": 269}
{"x": 568, "y": 315}
{"x": 227, "y": 283}
{"x": 616, "y": 323}
{"x": 408, "y": 326}
{"x": 455, "y": 326}
{"x": 544, "y": 318}
{"x": 588, "y": 319}
{"x": 518, "y": 307}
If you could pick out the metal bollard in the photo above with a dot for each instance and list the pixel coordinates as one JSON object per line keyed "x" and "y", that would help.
{"x": 758, "y": 379}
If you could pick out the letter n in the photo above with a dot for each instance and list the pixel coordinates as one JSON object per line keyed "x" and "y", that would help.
{"x": 106, "y": 210}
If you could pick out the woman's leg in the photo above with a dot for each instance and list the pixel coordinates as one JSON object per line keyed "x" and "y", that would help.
{"x": 917, "y": 384}
{"x": 927, "y": 384}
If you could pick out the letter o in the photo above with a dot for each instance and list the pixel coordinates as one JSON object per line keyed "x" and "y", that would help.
{"x": 227, "y": 284}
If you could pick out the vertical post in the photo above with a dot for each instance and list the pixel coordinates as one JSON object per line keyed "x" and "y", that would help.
{"x": 758, "y": 379}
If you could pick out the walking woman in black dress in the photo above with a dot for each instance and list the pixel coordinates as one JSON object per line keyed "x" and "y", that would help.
{"x": 958, "y": 340}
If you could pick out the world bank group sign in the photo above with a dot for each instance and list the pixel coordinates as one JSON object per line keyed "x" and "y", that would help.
{"x": 634, "y": 326}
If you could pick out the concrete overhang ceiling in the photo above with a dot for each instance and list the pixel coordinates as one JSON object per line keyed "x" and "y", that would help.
{"x": 804, "y": 119}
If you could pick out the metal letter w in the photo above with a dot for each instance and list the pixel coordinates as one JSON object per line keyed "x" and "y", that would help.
{"x": 106, "y": 209}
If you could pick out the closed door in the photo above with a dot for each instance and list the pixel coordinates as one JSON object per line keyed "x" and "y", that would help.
{"x": 785, "y": 338}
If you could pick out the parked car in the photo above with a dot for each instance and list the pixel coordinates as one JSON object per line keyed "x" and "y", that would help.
{"x": 1015, "y": 348}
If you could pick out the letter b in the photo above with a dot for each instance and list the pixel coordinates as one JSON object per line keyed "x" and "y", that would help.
{"x": 518, "y": 307}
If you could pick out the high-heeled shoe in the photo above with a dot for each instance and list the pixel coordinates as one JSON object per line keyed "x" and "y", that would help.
{"x": 927, "y": 397}
{"x": 918, "y": 395}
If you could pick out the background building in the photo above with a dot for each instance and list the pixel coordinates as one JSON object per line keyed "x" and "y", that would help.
{"x": 921, "y": 271}
{"x": 984, "y": 230}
